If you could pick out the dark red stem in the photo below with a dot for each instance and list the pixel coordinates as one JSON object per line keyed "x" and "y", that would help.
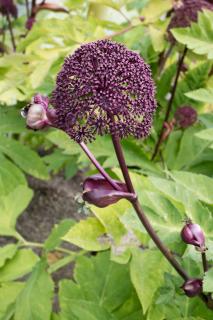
{"x": 11, "y": 32}
{"x": 169, "y": 107}
{"x": 141, "y": 215}
{"x": 98, "y": 166}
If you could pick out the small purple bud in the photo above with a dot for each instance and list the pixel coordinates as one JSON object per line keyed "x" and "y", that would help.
{"x": 193, "y": 234}
{"x": 192, "y": 287}
{"x": 185, "y": 116}
{"x": 37, "y": 114}
{"x": 98, "y": 191}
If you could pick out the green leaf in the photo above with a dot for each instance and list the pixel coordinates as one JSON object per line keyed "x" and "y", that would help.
{"x": 87, "y": 235}
{"x": 55, "y": 238}
{"x": 198, "y": 37}
{"x": 35, "y": 301}
{"x": 201, "y": 186}
{"x": 10, "y": 121}
{"x": 206, "y": 134}
{"x": 7, "y": 252}
{"x": 27, "y": 159}
{"x": 100, "y": 289}
{"x": 11, "y": 206}
{"x": 208, "y": 281}
{"x": 21, "y": 264}
{"x": 8, "y": 294}
{"x": 11, "y": 177}
{"x": 147, "y": 270}
{"x": 203, "y": 95}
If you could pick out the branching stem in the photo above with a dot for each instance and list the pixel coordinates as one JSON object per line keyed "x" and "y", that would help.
{"x": 169, "y": 107}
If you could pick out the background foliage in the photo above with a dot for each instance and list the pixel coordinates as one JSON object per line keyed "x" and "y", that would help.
{"x": 128, "y": 279}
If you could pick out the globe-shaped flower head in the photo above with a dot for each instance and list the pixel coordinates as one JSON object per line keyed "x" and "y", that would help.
{"x": 185, "y": 12}
{"x": 104, "y": 88}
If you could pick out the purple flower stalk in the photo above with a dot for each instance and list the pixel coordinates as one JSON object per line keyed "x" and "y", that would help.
{"x": 8, "y": 7}
{"x": 37, "y": 114}
{"x": 104, "y": 88}
{"x": 30, "y": 22}
{"x": 193, "y": 234}
{"x": 192, "y": 287}
{"x": 185, "y": 12}
{"x": 185, "y": 116}
{"x": 98, "y": 191}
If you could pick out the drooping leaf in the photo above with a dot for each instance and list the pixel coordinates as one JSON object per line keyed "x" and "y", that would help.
{"x": 203, "y": 95}
{"x": 7, "y": 252}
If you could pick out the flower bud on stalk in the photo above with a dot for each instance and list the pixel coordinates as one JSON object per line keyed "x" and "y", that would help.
{"x": 193, "y": 234}
{"x": 37, "y": 114}
{"x": 192, "y": 287}
{"x": 98, "y": 191}
{"x": 185, "y": 116}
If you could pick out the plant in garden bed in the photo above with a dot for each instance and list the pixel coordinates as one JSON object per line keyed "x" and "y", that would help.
{"x": 103, "y": 88}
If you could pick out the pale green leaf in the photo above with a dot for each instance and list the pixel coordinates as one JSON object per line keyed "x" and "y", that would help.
{"x": 35, "y": 301}
{"x": 87, "y": 234}
{"x": 206, "y": 134}
{"x": 208, "y": 281}
{"x": 203, "y": 95}
{"x": 147, "y": 270}
{"x": 7, "y": 252}
{"x": 21, "y": 264}
{"x": 8, "y": 294}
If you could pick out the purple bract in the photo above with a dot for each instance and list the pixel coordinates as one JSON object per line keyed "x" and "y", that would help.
{"x": 192, "y": 287}
{"x": 104, "y": 88}
{"x": 98, "y": 191}
{"x": 193, "y": 234}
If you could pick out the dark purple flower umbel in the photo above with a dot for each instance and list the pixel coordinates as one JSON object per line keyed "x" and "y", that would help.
{"x": 185, "y": 12}
{"x": 104, "y": 88}
{"x": 193, "y": 234}
{"x": 37, "y": 113}
{"x": 185, "y": 116}
{"x": 8, "y": 7}
{"x": 192, "y": 287}
{"x": 98, "y": 191}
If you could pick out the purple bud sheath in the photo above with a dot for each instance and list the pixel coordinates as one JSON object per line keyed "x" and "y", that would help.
{"x": 193, "y": 234}
{"x": 192, "y": 287}
{"x": 185, "y": 116}
{"x": 98, "y": 191}
{"x": 37, "y": 114}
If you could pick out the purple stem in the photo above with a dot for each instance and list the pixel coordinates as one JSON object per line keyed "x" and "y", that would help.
{"x": 204, "y": 260}
{"x": 169, "y": 107}
{"x": 141, "y": 215}
{"x": 98, "y": 166}
{"x": 11, "y": 31}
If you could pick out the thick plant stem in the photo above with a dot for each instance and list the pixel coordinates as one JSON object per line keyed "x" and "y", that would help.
{"x": 204, "y": 260}
{"x": 169, "y": 107}
{"x": 141, "y": 215}
{"x": 11, "y": 32}
{"x": 98, "y": 166}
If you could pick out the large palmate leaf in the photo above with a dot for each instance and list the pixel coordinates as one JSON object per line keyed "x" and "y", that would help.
{"x": 35, "y": 301}
{"x": 198, "y": 37}
{"x": 27, "y": 159}
{"x": 147, "y": 270}
{"x": 94, "y": 294}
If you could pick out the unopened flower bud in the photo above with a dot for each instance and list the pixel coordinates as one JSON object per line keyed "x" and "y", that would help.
{"x": 193, "y": 234}
{"x": 98, "y": 191}
{"x": 185, "y": 116}
{"x": 30, "y": 22}
{"x": 37, "y": 114}
{"x": 192, "y": 287}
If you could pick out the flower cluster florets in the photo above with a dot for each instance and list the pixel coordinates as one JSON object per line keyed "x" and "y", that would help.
{"x": 104, "y": 88}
